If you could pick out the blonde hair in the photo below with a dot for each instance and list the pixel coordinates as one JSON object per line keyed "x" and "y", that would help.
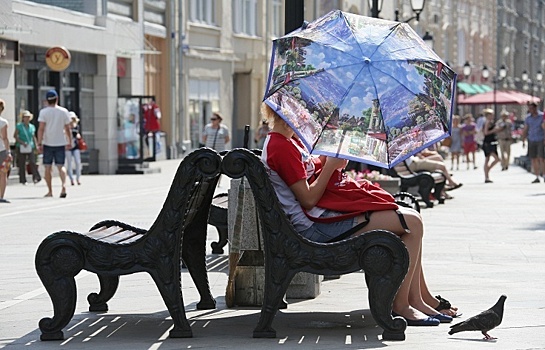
{"x": 268, "y": 114}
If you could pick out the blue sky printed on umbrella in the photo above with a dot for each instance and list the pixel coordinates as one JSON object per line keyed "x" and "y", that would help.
{"x": 361, "y": 88}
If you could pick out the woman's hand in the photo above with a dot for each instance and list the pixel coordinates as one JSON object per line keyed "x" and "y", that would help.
{"x": 335, "y": 163}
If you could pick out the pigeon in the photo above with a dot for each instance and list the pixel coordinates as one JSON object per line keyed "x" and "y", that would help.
{"x": 483, "y": 322}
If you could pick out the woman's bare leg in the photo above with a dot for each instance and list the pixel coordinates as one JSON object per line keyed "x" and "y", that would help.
{"x": 389, "y": 220}
{"x": 431, "y": 300}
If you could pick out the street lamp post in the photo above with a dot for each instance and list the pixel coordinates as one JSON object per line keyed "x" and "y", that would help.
{"x": 376, "y": 7}
{"x": 526, "y": 80}
{"x": 417, "y": 6}
{"x": 538, "y": 78}
{"x": 502, "y": 73}
{"x": 466, "y": 70}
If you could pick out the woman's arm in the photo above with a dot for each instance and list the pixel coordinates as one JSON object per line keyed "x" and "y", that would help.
{"x": 16, "y": 136}
{"x": 309, "y": 195}
{"x": 4, "y": 137}
{"x": 488, "y": 131}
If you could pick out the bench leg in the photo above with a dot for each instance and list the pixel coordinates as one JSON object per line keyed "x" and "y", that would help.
{"x": 108, "y": 287}
{"x": 385, "y": 265}
{"x": 217, "y": 247}
{"x": 57, "y": 262}
{"x": 194, "y": 256}
{"x": 272, "y": 299}
{"x": 424, "y": 189}
{"x": 170, "y": 288}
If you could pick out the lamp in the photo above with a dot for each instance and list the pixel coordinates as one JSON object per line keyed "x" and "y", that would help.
{"x": 376, "y": 7}
{"x": 428, "y": 39}
{"x": 501, "y": 74}
{"x": 466, "y": 70}
{"x": 417, "y": 6}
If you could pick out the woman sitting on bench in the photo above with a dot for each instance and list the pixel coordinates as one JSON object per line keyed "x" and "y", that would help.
{"x": 291, "y": 168}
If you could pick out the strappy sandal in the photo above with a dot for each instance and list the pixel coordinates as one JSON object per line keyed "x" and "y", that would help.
{"x": 444, "y": 304}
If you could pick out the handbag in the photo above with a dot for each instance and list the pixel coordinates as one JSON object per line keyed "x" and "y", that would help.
{"x": 82, "y": 145}
{"x": 29, "y": 168}
{"x": 25, "y": 149}
{"x": 28, "y": 147}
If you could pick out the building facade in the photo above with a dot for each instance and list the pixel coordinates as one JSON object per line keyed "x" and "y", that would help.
{"x": 196, "y": 57}
{"x": 114, "y": 50}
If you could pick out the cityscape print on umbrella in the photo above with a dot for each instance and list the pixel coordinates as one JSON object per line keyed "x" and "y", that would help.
{"x": 361, "y": 88}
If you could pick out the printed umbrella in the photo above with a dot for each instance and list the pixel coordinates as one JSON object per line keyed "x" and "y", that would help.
{"x": 361, "y": 88}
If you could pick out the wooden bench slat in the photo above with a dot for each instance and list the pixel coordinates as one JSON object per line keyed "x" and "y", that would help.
{"x": 119, "y": 236}
{"x": 103, "y": 232}
{"x": 131, "y": 239}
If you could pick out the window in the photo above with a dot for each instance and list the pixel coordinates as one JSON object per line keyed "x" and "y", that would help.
{"x": 277, "y": 18}
{"x": 203, "y": 100}
{"x": 203, "y": 11}
{"x": 245, "y": 17}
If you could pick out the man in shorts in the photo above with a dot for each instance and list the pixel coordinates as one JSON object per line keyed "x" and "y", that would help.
{"x": 54, "y": 137}
{"x": 534, "y": 131}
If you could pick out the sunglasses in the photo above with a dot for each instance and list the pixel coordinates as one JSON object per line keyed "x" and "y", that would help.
{"x": 213, "y": 118}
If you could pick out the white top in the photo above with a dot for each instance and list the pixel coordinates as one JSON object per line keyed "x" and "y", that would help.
{"x": 55, "y": 118}
{"x": 3, "y": 123}
{"x": 215, "y": 138}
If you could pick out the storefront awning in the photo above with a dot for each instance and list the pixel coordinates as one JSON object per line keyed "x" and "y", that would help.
{"x": 486, "y": 88}
{"x": 466, "y": 88}
{"x": 472, "y": 89}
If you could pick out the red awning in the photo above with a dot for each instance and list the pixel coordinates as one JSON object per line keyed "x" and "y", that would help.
{"x": 501, "y": 98}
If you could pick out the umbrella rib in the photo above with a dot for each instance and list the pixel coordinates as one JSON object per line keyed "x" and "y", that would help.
{"x": 383, "y": 40}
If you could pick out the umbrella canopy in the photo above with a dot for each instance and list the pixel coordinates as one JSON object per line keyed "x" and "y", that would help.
{"x": 508, "y": 97}
{"x": 361, "y": 88}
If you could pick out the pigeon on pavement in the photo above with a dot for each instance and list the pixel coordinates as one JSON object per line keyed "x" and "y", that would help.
{"x": 483, "y": 322}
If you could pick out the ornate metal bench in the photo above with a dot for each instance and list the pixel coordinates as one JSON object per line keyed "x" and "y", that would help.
{"x": 112, "y": 248}
{"x": 381, "y": 254}
{"x": 424, "y": 180}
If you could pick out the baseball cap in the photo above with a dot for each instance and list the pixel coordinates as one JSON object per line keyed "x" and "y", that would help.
{"x": 51, "y": 95}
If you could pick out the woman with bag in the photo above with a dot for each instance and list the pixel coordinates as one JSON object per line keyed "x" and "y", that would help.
{"x": 25, "y": 146}
{"x": 74, "y": 154}
{"x": 331, "y": 205}
{"x": 215, "y": 134}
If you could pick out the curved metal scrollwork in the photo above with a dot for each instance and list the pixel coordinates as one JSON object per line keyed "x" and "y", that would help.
{"x": 157, "y": 251}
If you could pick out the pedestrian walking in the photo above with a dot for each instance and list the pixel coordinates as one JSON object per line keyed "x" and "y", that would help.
{"x": 469, "y": 130}
{"x": 73, "y": 155}
{"x": 261, "y": 134}
{"x": 5, "y": 154}
{"x": 490, "y": 143}
{"x": 455, "y": 143}
{"x": 505, "y": 128}
{"x": 26, "y": 147}
{"x": 215, "y": 134}
{"x": 54, "y": 137}
{"x": 533, "y": 131}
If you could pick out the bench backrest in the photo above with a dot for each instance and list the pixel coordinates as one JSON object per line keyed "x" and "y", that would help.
{"x": 188, "y": 201}
{"x": 275, "y": 224}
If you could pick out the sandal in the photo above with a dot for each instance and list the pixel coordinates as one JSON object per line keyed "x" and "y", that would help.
{"x": 444, "y": 304}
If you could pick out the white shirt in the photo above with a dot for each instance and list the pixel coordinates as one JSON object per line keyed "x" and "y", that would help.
{"x": 3, "y": 123}
{"x": 55, "y": 118}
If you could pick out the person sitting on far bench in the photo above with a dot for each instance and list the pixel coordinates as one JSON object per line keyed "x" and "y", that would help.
{"x": 431, "y": 161}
